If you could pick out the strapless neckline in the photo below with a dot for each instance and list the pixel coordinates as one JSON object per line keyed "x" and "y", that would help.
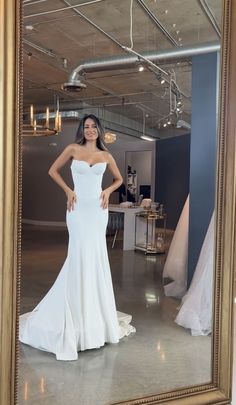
{"x": 90, "y": 165}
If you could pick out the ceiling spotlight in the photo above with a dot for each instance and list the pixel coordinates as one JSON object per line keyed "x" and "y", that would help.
{"x": 180, "y": 39}
{"x": 177, "y": 32}
{"x": 166, "y": 11}
{"x": 29, "y": 27}
{"x": 165, "y": 124}
{"x": 174, "y": 25}
{"x": 141, "y": 68}
{"x": 162, "y": 81}
{"x": 169, "y": 122}
{"x": 64, "y": 62}
{"x": 179, "y": 103}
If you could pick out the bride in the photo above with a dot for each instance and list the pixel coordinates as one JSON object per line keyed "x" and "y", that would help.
{"x": 79, "y": 311}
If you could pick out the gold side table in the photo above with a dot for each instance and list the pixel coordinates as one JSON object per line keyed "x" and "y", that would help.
{"x": 150, "y": 232}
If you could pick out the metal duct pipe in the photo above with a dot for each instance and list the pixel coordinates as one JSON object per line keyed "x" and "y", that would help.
{"x": 121, "y": 62}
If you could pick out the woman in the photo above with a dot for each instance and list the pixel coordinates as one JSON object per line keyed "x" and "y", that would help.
{"x": 79, "y": 312}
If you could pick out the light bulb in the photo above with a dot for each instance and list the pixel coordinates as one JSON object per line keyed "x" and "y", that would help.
{"x": 162, "y": 81}
{"x": 141, "y": 68}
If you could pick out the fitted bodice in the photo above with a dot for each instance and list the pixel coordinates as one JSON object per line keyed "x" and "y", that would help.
{"x": 87, "y": 178}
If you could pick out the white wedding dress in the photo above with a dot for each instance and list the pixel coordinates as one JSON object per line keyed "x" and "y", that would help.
{"x": 79, "y": 311}
{"x": 176, "y": 263}
{"x": 196, "y": 310}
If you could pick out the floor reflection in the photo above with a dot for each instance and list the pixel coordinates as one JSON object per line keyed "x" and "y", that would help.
{"x": 159, "y": 357}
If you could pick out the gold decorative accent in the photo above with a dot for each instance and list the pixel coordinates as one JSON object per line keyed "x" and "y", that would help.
{"x": 109, "y": 137}
{"x": 218, "y": 391}
{"x": 34, "y": 129}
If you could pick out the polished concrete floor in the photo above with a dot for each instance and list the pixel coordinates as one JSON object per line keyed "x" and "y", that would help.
{"x": 160, "y": 357}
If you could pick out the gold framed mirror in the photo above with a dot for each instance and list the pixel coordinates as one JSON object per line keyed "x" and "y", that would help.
{"x": 218, "y": 391}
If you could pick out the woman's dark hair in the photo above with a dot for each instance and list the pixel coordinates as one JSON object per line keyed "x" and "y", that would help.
{"x": 80, "y": 139}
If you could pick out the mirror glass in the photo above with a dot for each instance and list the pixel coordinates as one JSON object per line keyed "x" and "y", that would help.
{"x": 149, "y": 70}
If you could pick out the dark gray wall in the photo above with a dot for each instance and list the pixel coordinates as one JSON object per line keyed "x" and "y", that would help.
{"x": 202, "y": 152}
{"x": 172, "y": 175}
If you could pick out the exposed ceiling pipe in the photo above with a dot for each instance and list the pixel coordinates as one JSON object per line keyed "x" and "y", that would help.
{"x": 157, "y": 22}
{"x": 29, "y": 2}
{"x": 75, "y": 82}
{"x": 58, "y": 10}
{"x": 208, "y": 12}
{"x": 39, "y": 48}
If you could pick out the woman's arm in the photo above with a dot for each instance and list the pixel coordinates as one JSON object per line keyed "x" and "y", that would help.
{"x": 53, "y": 172}
{"x": 118, "y": 180}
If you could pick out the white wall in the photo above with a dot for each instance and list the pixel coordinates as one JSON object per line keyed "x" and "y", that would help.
{"x": 141, "y": 162}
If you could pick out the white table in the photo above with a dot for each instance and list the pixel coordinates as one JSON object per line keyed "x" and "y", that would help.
{"x": 129, "y": 224}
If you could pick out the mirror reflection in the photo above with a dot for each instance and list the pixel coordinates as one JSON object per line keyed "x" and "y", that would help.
{"x": 119, "y": 171}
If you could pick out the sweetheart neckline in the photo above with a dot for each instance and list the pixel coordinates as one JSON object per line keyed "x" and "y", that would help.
{"x": 90, "y": 165}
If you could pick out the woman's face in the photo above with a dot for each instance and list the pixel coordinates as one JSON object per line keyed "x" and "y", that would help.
{"x": 90, "y": 130}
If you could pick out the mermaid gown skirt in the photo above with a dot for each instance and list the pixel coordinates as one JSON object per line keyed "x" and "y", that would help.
{"x": 79, "y": 311}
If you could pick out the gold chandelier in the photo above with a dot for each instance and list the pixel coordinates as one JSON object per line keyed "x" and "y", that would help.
{"x": 46, "y": 128}
{"x": 109, "y": 137}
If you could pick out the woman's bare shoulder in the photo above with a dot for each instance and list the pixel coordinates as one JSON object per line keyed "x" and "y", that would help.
{"x": 108, "y": 156}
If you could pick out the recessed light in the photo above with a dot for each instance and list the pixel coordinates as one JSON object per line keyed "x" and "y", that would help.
{"x": 180, "y": 39}
{"x": 164, "y": 125}
{"x": 174, "y": 25}
{"x": 177, "y": 32}
{"x": 166, "y": 11}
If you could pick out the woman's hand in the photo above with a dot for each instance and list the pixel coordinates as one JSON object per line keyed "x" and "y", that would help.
{"x": 105, "y": 194}
{"x": 71, "y": 200}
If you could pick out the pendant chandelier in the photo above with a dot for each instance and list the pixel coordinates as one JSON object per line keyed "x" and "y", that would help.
{"x": 109, "y": 137}
{"x": 50, "y": 122}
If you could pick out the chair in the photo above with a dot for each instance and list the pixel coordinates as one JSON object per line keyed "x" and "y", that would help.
{"x": 115, "y": 224}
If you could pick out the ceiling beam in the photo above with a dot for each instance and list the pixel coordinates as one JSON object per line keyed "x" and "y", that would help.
{"x": 209, "y": 14}
{"x": 157, "y": 23}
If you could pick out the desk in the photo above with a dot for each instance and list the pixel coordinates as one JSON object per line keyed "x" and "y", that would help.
{"x": 129, "y": 224}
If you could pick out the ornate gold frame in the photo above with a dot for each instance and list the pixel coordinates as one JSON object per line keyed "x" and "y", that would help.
{"x": 219, "y": 390}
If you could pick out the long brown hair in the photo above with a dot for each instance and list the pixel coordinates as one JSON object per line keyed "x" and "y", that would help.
{"x": 80, "y": 138}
